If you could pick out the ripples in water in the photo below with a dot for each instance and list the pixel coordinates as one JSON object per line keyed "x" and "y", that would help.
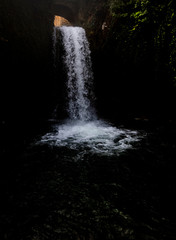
{"x": 96, "y": 137}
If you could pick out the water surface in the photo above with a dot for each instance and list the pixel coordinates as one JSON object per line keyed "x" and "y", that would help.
{"x": 93, "y": 137}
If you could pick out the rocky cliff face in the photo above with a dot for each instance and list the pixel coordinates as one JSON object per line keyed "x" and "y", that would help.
{"x": 24, "y": 25}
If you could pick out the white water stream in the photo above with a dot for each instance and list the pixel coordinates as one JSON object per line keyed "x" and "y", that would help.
{"x": 79, "y": 73}
{"x": 83, "y": 132}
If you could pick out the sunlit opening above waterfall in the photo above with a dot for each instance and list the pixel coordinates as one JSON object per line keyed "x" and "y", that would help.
{"x": 60, "y": 21}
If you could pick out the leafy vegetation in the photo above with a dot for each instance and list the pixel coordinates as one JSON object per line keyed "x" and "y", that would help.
{"x": 147, "y": 28}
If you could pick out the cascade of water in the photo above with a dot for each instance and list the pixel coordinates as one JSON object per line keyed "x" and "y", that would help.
{"x": 79, "y": 73}
{"x": 86, "y": 134}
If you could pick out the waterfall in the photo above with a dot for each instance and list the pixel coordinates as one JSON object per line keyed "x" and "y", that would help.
{"x": 79, "y": 72}
{"x": 83, "y": 132}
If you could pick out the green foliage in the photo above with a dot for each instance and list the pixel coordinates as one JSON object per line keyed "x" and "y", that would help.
{"x": 147, "y": 28}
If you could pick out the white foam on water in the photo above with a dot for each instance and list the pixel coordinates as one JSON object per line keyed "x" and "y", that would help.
{"x": 97, "y": 137}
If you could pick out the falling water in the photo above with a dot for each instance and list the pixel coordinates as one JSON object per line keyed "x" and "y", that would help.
{"x": 83, "y": 132}
{"x": 79, "y": 73}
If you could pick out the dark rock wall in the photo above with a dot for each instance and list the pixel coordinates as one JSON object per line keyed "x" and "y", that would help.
{"x": 26, "y": 58}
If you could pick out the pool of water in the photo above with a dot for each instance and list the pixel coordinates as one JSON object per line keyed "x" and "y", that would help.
{"x": 90, "y": 181}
